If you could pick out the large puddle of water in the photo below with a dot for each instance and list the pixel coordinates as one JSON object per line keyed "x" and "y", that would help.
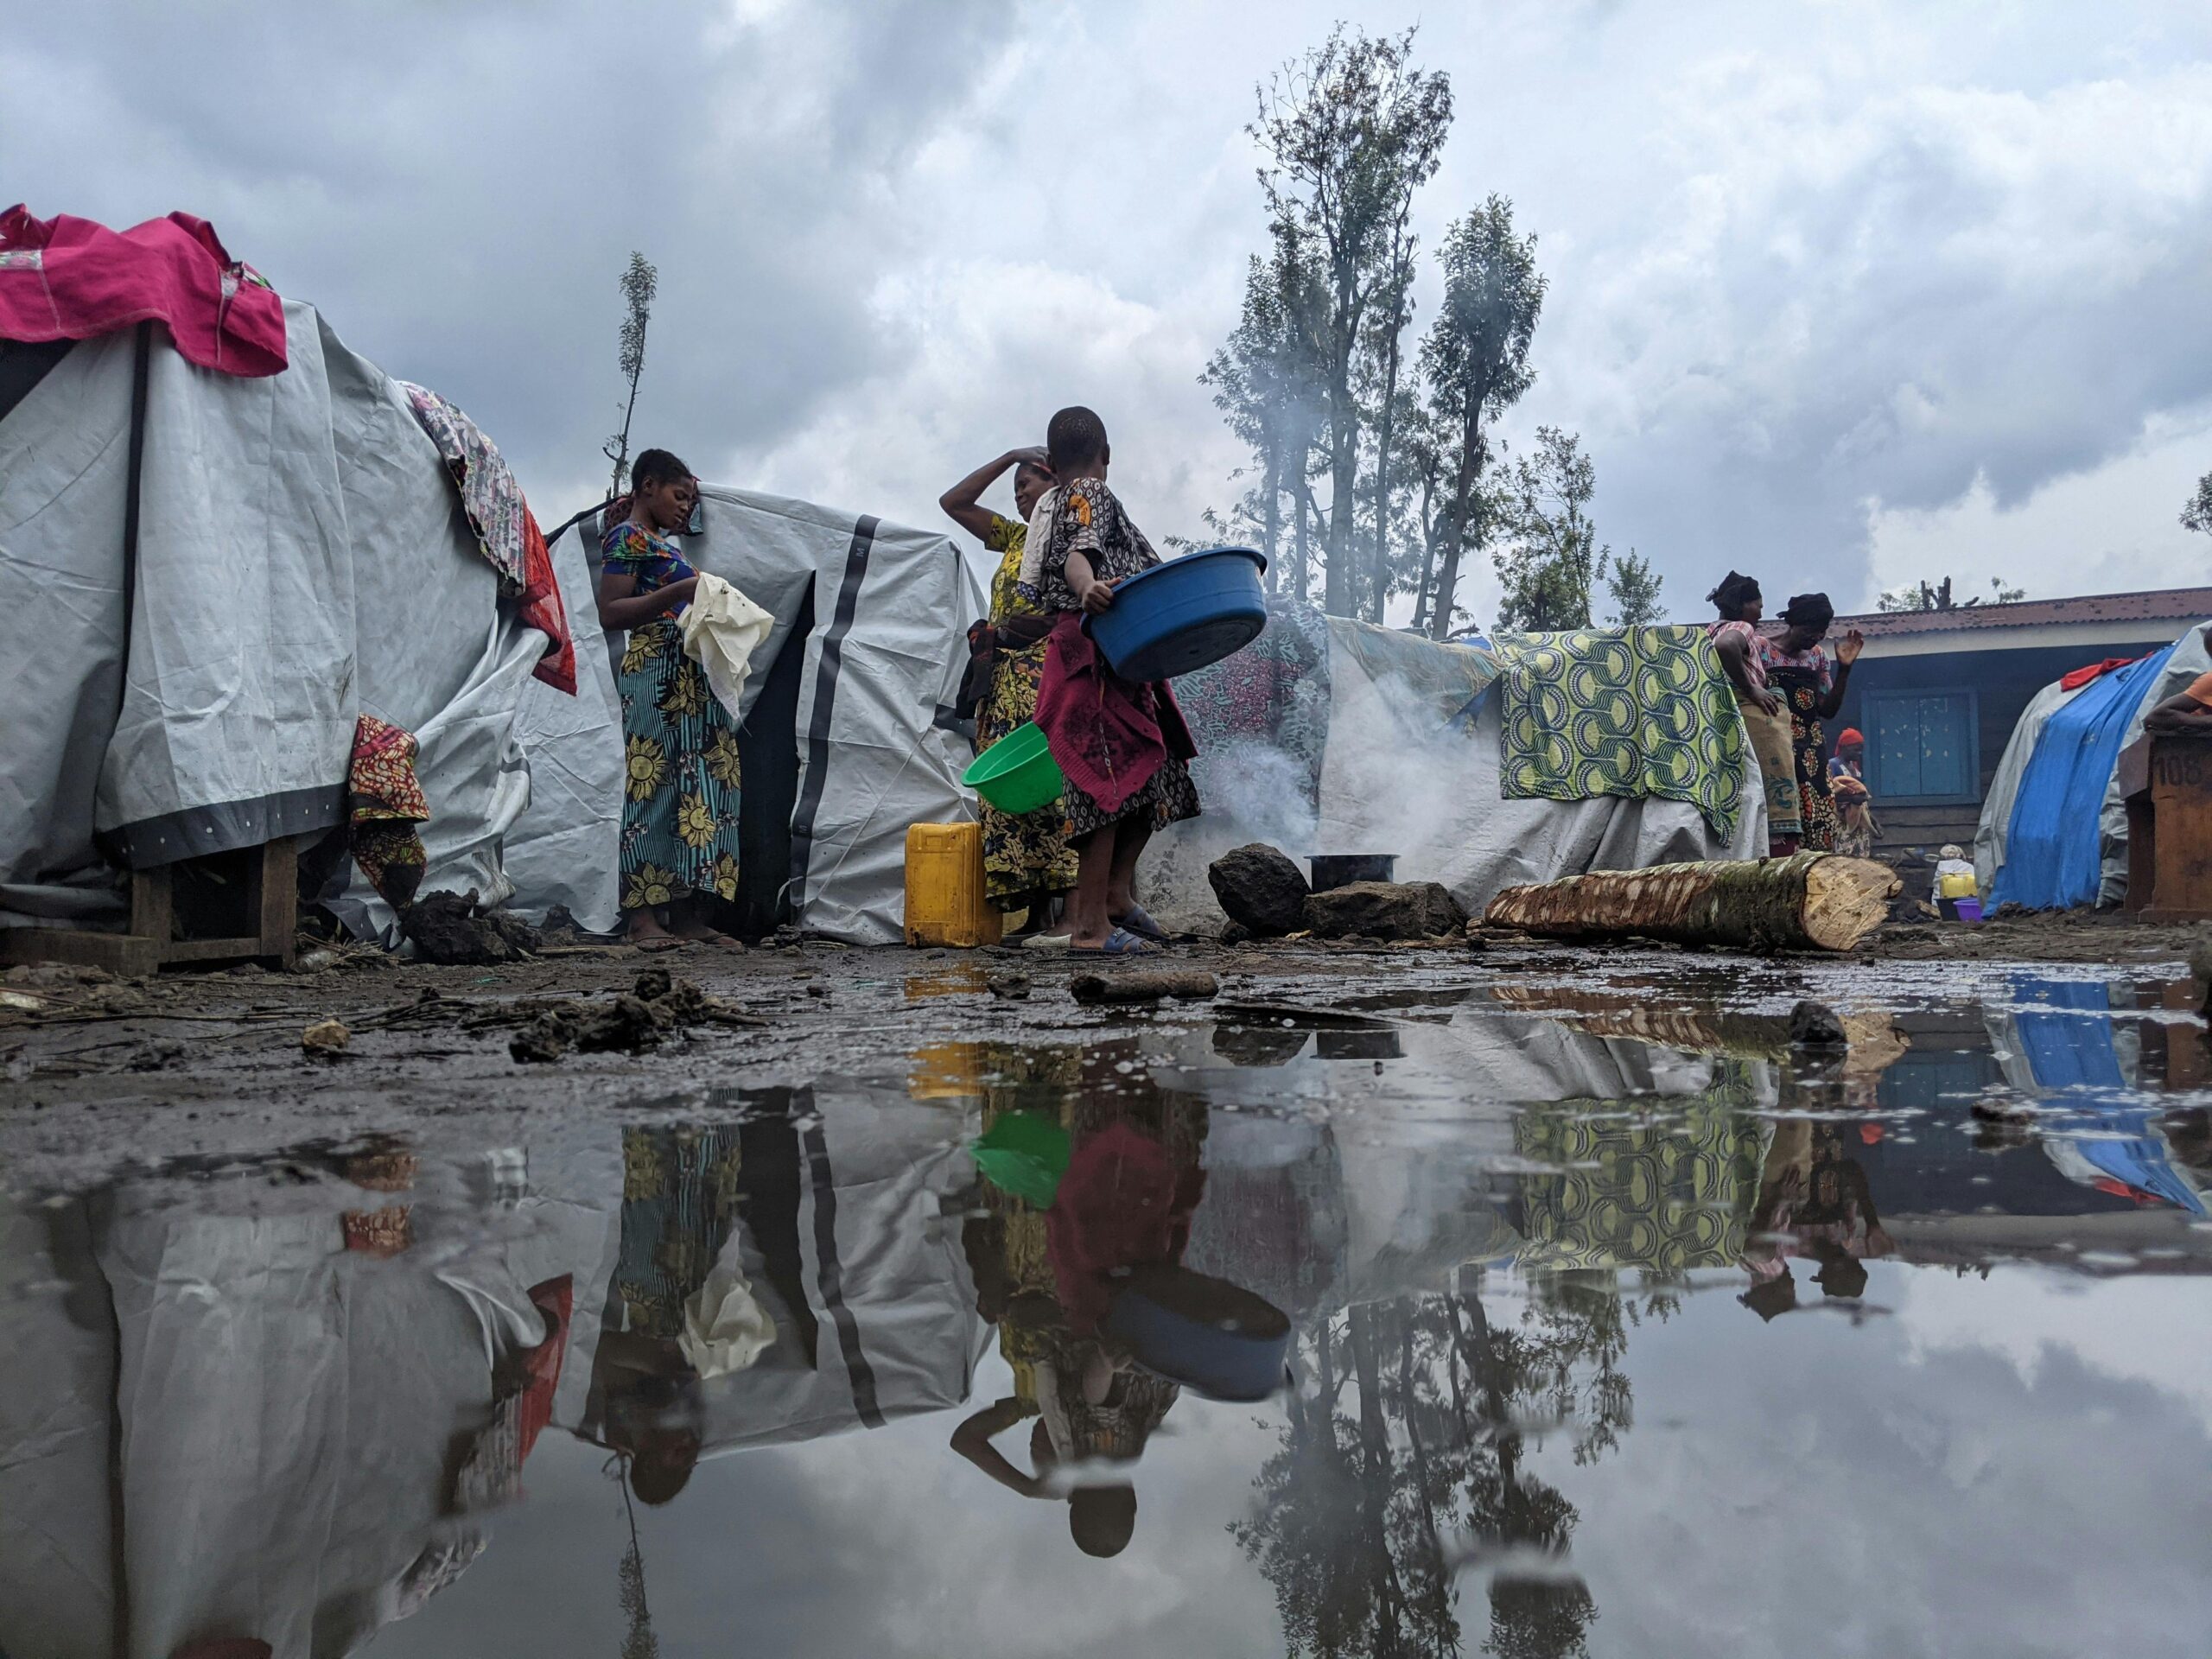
{"x": 1534, "y": 1322}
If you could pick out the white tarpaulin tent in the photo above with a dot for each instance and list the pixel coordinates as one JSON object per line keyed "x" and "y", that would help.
{"x": 879, "y": 611}
{"x": 1406, "y": 768}
{"x": 301, "y": 559}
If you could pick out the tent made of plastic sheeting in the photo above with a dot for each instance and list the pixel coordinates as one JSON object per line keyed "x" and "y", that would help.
{"x": 848, "y": 736}
{"x": 226, "y": 1418}
{"x": 2056, "y": 1041}
{"x": 2034, "y": 845}
{"x": 1625, "y": 1154}
{"x": 1334, "y": 736}
{"x": 836, "y": 1209}
{"x": 301, "y": 559}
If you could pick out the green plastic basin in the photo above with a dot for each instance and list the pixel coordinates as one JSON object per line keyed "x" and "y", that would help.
{"x": 1017, "y": 773}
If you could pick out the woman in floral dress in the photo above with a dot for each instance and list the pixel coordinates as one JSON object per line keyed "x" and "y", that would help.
{"x": 1812, "y": 687}
{"x": 1027, "y": 859}
{"x": 679, "y": 810}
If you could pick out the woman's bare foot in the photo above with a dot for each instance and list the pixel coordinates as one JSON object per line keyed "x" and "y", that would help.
{"x": 644, "y": 930}
{"x": 688, "y": 926}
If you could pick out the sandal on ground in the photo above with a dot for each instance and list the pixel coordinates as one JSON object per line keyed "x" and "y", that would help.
{"x": 1139, "y": 923}
{"x": 1119, "y": 943}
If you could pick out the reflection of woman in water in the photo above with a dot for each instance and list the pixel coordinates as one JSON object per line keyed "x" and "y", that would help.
{"x": 1813, "y": 1200}
{"x": 1045, "y": 1280}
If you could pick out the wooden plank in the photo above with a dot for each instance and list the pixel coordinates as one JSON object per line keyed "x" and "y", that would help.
{"x": 132, "y": 956}
{"x": 234, "y": 949}
{"x": 276, "y": 892}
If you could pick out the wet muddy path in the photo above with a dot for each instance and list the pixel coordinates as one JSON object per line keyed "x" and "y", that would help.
{"x": 1532, "y": 1301}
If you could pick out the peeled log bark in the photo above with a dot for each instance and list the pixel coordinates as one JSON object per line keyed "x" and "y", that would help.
{"x": 1809, "y": 901}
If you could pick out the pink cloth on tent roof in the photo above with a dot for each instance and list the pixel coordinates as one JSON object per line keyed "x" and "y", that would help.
{"x": 67, "y": 278}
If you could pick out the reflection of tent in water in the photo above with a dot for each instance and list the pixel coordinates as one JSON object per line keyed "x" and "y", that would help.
{"x": 832, "y": 1208}
{"x": 219, "y": 1418}
{"x": 1628, "y": 1156}
{"x": 1546, "y": 756}
{"x": 2061, "y": 1040}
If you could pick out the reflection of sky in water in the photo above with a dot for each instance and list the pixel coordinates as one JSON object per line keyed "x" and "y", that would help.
{"x": 1987, "y": 1453}
{"x": 2001, "y": 1467}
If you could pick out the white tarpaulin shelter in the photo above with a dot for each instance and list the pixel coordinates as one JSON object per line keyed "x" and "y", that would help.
{"x": 1399, "y": 754}
{"x": 845, "y": 745}
{"x": 301, "y": 559}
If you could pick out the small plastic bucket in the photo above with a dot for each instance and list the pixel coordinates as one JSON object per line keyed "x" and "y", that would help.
{"x": 1017, "y": 773}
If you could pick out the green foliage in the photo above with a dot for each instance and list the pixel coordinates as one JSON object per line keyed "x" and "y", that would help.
{"x": 1634, "y": 587}
{"x": 1939, "y": 597}
{"x": 1475, "y": 361}
{"x": 2196, "y": 512}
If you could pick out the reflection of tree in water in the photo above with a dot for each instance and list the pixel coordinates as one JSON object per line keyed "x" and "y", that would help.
{"x": 1377, "y": 1498}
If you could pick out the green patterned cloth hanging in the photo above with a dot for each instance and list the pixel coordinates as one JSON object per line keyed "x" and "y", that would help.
{"x": 1638, "y": 712}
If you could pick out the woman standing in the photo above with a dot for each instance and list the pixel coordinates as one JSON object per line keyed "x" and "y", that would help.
{"x": 1800, "y": 671}
{"x": 1736, "y": 637}
{"x": 1027, "y": 859}
{"x": 679, "y": 811}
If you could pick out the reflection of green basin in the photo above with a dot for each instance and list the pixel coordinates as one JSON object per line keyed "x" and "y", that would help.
{"x": 1017, "y": 773}
{"x": 1024, "y": 1153}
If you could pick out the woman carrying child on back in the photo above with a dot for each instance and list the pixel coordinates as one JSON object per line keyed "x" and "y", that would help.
{"x": 1122, "y": 747}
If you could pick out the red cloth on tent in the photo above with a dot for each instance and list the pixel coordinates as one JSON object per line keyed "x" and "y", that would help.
{"x": 1109, "y": 734}
{"x": 67, "y": 278}
{"x": 2081, "y": 677}
{"x": 540, "y": 606}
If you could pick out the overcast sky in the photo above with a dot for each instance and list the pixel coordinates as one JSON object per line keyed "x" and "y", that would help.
{"x": 1842, "y": 295}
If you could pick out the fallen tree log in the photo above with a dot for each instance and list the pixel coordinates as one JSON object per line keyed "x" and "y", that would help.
{"x": 1809, "y": 901}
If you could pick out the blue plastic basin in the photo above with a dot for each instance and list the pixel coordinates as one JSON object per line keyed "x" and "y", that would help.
{"x": 1204, "y": 1333}
{"x": 1178, "y": 617}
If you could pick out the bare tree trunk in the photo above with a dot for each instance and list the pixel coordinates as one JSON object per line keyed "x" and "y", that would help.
{"x": 1298, "y": 499}
{"x": 1810, "y": 901}
{"x": 1463, "y": 486}
{"x": 1271, "y": 511}
{"x": 1379, "y": 583}
{"x": 1427, "y": 552}
{"x": 1344, "y": 464}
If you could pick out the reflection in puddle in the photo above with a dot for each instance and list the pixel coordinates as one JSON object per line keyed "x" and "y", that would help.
{"x": 1192, "y": 1339}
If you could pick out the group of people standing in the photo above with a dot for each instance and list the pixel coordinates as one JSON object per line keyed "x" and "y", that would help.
{"x": 1786, "y": 686}
{"x": 1122, "y": 747}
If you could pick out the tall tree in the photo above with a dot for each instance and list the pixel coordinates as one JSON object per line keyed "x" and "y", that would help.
{"x": 1349, "y": 131}
{"x": 1939, "y": 597}
{"x": 639, "y": 283}
{"x": 1634, "y": 587}
{"x": 1264, "y": 383}
{"x": 1551, "y": 563}
{"x": 1476, "y": 362}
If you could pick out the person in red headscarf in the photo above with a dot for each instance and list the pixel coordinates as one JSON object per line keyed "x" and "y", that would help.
{"x": 1855, "y": 802}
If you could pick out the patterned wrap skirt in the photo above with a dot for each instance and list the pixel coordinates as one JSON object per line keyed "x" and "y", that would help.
{"x": 681, "y": 775}
{"x": 1799, "y": 691}
{"x": 1024, "y": 852}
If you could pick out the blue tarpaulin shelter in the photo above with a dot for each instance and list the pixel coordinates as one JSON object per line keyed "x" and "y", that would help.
{"x": 2052, "y": 852}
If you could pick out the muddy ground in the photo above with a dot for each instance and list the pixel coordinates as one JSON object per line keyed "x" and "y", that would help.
{"x": 92, "y": 1068}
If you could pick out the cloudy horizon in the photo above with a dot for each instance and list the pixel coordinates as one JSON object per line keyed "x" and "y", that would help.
{"x": 1847, "y": 294}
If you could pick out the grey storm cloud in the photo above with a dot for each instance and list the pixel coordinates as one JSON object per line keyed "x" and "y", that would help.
{"x": 458, "y": 189}
{"x": 1808, "y": 268}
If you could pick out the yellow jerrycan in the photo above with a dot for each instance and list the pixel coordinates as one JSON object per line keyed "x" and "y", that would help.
{"x": 945, "y": 903}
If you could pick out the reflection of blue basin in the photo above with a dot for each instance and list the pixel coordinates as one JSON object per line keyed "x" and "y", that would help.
{"x": 1211, "y": 1336}
{"x": 1180, "y": 616}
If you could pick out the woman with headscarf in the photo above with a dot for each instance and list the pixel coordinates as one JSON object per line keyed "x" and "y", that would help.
{"x": 1026, "y": 861}
{"x": 1812, "y": 688}
{"x": 1736, "y": 637}
{"x": 1855, "y": 802}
